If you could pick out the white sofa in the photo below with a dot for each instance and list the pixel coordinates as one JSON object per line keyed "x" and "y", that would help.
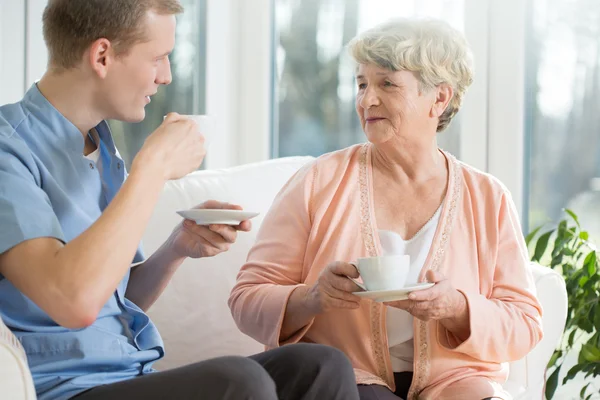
{"x": 193, "y": 316}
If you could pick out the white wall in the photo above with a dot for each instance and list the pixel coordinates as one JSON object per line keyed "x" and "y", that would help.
{"x": 37, "y": 55}
{"x": 12, "y": 50}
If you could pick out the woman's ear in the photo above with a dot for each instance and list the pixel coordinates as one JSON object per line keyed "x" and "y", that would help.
{"x": 443, "y": 95}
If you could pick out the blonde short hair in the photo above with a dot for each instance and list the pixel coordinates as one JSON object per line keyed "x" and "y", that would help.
{"x": 433, "y": 49}
{"x": 71, "y": 26}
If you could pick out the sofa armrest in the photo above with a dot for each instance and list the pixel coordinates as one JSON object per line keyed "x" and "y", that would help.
{"x": 15, "y": 379}
{"x": 552, "y": 294}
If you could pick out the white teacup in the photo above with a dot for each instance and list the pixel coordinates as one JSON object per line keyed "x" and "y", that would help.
{"x": 383, "y": 273}
{"x": 205, "y": 127}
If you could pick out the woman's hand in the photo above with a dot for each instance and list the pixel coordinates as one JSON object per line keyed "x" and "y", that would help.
{"x": 333, "y": 289}
{"x": 441, "y": 303}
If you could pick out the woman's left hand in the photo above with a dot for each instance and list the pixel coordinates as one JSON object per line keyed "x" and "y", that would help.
{"x": 442, "y": 302}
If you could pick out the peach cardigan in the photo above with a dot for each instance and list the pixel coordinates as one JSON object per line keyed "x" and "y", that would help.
{"x": 325, "y": 213}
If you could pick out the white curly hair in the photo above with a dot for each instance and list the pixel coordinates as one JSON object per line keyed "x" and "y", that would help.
{"x": 438, "y": 53}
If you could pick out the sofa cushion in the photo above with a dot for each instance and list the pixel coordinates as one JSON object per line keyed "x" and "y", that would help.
{"x": 15, "y": 379}
{"x": 10, "y": 342}
{"x": 192, "y": 314}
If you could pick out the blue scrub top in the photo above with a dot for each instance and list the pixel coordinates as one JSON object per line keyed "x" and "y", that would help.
{"x": 48, "y": 188}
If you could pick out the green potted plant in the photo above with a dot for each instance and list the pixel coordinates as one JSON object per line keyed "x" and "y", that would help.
{"x": 567, "y": 249}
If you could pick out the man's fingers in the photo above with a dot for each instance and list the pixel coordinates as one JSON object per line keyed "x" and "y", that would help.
{"x": 214, "y": 239}
{"x": 245, "y": 226}
{"x": 227, "y": 233}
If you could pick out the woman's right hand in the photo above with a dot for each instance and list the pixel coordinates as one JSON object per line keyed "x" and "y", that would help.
{"x": 333, "y": 289}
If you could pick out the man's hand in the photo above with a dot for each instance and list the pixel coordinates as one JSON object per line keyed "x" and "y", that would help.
{"x": 195, "y": 241}
{"x": 173, "y": 150}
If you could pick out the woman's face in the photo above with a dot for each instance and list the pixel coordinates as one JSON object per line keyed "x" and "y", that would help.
{"x": 390, "y": 104}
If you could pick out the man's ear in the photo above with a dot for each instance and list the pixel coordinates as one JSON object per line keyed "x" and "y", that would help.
{"x": 101, "y": 56}
{"x": 443, "y": 95}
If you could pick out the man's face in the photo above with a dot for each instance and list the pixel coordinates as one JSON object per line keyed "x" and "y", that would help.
{"x": 134, "y": 77}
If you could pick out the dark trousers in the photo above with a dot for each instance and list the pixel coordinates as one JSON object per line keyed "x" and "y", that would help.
{"x": 292, "y": 372}
{"x": 378, "y": 392}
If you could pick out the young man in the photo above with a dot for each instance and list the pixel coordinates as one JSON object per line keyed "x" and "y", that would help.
{"x": 71, "y": 223}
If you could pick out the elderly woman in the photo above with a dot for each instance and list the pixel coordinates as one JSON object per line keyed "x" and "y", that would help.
{"x": 398, "y": 194}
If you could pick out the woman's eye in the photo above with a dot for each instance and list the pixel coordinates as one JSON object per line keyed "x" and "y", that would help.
{"x": 362, "y": 85}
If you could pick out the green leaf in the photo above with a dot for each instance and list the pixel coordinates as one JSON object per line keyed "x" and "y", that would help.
{"x": 583, "y": 390}
{"x": 572, "y": 214}
{"x": 561, "y": 229}
{"x": 590, "y": 263}
{"x": 557, "y": 259}
{"x": 557, "y": 354}
{"x": 531, "y": 235}
{"x": 586, "y": 325}
{"x": 571, "y": 337}
{"x": 590, "y": 352}
{"x": 584, "y": 235}
{"x": 552, "y": 383}
{"x": 591, "y": 269}
{"x": 592, "y": 313}
{"x": 561, "y": 239}
{"x": 590, "y": 372}
{"x": 541, "y": 245}
{"x": 572, "y": 372}
{"x": 577, "y": 273}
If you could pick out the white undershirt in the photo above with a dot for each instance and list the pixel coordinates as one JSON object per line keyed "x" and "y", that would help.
{"x": 95, "y": 157}
{"x": 400, "y": 323}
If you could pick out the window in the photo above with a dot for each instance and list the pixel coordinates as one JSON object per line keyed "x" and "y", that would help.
{"x": 314, "y": 77}
{"x": 185, "y": 94}
{"x": 562, "y": 128}
{"x": 563, "y": 123}
{"x": 12, "y": 48}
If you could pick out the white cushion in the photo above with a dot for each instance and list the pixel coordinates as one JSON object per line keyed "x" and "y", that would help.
{"x": 15, "y": 379}
{"x": 192, "y": 314}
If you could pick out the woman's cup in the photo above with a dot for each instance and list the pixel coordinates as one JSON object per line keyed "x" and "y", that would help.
{"x": 383, "y": 273}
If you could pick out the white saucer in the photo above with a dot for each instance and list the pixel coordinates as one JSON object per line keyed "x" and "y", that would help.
{"x": 221, "y": 217}
{"x": 383, "y": 296}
